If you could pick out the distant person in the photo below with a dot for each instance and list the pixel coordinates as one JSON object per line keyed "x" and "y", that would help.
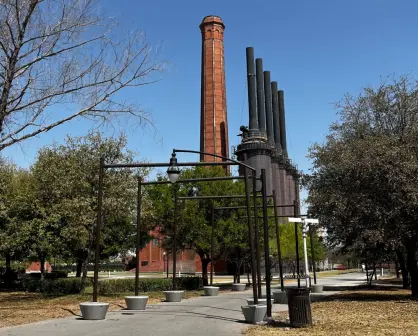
{"x": 363, "y": 267}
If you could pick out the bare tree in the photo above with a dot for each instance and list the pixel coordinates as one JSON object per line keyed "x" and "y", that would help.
{"x": 60, "y": 60}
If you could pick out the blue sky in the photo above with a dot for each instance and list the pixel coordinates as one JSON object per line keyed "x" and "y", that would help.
{"x": 316, "y": 50}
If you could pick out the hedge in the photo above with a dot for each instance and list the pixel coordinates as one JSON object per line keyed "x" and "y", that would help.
{"x": 50, "y": 276}
{"x": 73, "y": 285}
{"x": 147, "y": 285}
{"x": 56, "y": 286}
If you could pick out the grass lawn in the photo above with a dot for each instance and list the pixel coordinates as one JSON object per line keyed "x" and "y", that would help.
{"x": 20, "y": 308}
{"x": 382, "y": 311}
{"x": 324, "y": 274}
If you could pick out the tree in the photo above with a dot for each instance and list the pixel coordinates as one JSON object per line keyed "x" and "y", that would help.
{"x": 194, "y": 222}
{"x": 66, "y": 178}
{"x": 61, "y": 60}
{"x": 15, "y": 209}
{"x": 364, "y": 180}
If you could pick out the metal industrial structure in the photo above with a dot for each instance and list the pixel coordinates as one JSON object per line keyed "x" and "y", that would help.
{"x": 263, "y": 143}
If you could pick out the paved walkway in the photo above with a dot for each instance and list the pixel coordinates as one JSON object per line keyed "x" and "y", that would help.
{"x": 220, "y": 315}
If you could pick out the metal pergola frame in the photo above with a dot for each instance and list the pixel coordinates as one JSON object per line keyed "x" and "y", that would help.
{"x": 103, "y": 166}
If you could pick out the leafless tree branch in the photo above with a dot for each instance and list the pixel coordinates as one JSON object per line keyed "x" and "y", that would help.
{"x": 60, "y": 60}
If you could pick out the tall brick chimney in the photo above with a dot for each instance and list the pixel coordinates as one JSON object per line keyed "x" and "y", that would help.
{"x": 213, "y": 117}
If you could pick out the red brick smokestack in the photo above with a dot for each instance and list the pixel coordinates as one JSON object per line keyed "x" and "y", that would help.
{"x": 213, "y": 119}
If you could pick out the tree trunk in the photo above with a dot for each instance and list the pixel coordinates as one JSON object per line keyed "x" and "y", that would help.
{"x": 8, "y": 275}
{"x": 205, "y": 263}
{"x": 79, "y": 268}
{"x": 8, "y": 262}
{"x": 85, "y": 263}
{"x": 404, "y": 270}
{"x": 42, "y": 262}
{"x": 411, "y": 263}
{"x": 397, "y": 269}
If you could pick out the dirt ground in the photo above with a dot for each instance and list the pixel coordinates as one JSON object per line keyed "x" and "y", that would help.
{"x": 377, "y": 311}
{"x": 20, "y": 308}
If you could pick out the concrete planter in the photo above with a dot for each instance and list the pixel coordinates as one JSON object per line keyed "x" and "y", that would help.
{"x": 238, "y": 287}
{"x": 211, "y": 290}
{"x": 254, "y": 313}
{"x": 317, "y": 288}
{"x": 173, "y": 296}
{"x": 280, "y": 297}
{"x": 94, "y": 310}
{"x": 261, "y": 301}
{"x": 136, "y": 302}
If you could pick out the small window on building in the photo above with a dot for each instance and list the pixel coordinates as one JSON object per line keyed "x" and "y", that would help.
{"x": 155, "y": 242}
{"x": 144, "y": 263}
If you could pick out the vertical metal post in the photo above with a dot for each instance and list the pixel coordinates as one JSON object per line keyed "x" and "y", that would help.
{"x": 257, "y": 233}
{"x": 175, "y": 236}
{"x": 138, "y": 234}
{"x": 251, "y": 235}
{"x": 212, "y": 242}
{"x": 305, "y": 254}
{"x": 266, "y": 241}
{"x": 312, "y": 253}
{"x": 279, "y": 252}
{"x": 168, "y": 260}
{"x": 98, "y": 228}
{"x": 296, "y": 214}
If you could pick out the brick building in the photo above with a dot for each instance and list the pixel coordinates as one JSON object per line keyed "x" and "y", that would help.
{"x": 213, "y": 139}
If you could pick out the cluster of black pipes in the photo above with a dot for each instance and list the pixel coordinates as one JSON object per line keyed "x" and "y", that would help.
{"x": 264, "y": 147}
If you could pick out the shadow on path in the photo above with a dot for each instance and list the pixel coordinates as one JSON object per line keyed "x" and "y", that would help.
{"x": 186, "y": 313}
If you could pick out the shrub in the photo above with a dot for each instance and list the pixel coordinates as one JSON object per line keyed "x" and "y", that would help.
{"x": 56, "y": 286}
{"x": 146, "y": 285}
{"x": 56, "y": 275}
{"x": 49, "y": 276}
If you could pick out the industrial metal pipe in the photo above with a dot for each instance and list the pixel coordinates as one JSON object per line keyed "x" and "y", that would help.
{"x": 261, "y": 111}
{"x": 276, "y": 117}
{"x": 282, "y": 122}
{"x": 252, "y": 102}
{"x": 269, "y": 109}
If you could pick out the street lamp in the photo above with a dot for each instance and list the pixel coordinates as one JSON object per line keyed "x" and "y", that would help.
{"x": 173, "y": 170}
{"x": 305, "y": 224}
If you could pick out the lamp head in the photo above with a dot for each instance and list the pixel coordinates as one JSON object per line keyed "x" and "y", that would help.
{"x": 173, "y": 170}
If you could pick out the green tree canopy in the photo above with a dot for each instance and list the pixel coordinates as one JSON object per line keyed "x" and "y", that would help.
{"x": 364, "y": 182}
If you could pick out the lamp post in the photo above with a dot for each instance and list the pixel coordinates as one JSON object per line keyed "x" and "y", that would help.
{"x": 138, "y": 235}
{"x": 305, "y": 223}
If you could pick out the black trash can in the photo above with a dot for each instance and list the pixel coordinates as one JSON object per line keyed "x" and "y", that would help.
{"x": 299, "y": 303}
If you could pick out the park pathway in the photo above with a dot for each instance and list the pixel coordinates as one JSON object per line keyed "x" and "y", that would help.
{"x": 203, "y": 316}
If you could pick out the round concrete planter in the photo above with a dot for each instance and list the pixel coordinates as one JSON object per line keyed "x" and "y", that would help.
{"x": 254, "y": 313}
{"x": 211, "y": 290}
{"x": 173, "y": 296}
{"x": 261, "y": 301}
{"x": 317, "y": 288}
{"x": 238, "y": 287}
{"x": 136, "y": 302}
{"x": 94, "y": 310}
{"x": 280, "y": 297}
